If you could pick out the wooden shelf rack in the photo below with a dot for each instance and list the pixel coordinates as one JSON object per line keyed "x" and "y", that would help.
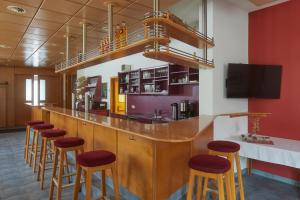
{"x": 175, "y": 56}
{"x": 130, "y": 49}
{"x": 177, "y": 29}
{"x": 154, "y": 40}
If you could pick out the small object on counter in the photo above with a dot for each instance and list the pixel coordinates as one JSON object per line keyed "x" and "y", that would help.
{"x": 123, "y": 34}
{"x": 117, "y": 36}
{"x": 258, "y": 139}
{"x": 174, "y": 111}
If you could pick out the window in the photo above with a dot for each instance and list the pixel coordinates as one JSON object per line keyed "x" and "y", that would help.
{"x": 42, "y": 90}
{"x": 28, "y": 90}
{"x": 35, "y": 90}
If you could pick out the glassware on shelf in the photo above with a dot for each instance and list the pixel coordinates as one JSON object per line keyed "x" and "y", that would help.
{"x": 147, "y": 74}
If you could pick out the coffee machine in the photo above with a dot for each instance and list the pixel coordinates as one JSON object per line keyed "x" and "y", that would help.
{"x": 186, "y": 109}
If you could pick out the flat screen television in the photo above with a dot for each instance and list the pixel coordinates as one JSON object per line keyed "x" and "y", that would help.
{"x": 253, "y": 81}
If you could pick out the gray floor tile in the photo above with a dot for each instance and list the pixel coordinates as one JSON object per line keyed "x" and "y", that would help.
{"x": 17, "y": 181}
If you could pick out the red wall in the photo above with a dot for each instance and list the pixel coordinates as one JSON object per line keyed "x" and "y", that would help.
{"x": 274, "y": 38}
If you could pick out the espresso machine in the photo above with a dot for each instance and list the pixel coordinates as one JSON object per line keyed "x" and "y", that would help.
{"x": 186, "y": 109}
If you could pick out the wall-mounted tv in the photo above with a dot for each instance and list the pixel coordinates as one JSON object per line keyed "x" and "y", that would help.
{"x": 253, "y": 81}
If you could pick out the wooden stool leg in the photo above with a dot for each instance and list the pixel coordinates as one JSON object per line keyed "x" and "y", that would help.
{"x": 40, "y": 160}
{"x": 204, "y": 188}
{"x": 32, "y": 148}
{"x": 60, "y": 174}
{"x": 227, "y": 183}
{"x": 26, "y": 144}
{"x": 35, "y": 151}
{"x": 199, "y": 188}
{"x": 44, "y": 153}
{"x": 53, "y": 174}
{"x": 240, "y": 177}
{"x": 232, "y": 178}
{"x": 103, "y": 183}
{"x": 88, "y": 185}
{"x": 191, "y": 185}
{"x": 77, "y": 182}
{"x": 114, "y": 171}
{"x": 67, "y": 168}
{"x": 221, "y": 187}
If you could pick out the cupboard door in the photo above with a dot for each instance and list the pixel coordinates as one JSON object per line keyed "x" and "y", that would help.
{"x": 86, "y": 132}
{"x": 3, "y": 106}
{"x": 36, "y": 113}
{"x": 71, "y": 127}
{"x": 105, "y": 139}
{"x": 135, "y": 165}
{"x": 57, "y": 120}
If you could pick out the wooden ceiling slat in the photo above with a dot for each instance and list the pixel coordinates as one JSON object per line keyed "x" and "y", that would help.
{"x": 39, "y": 33}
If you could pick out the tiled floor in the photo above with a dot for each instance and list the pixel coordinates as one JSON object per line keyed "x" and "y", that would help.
{"x": 17, "y": 181}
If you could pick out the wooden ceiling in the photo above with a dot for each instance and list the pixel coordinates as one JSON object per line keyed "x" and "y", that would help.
{"x": 36, "y": 38}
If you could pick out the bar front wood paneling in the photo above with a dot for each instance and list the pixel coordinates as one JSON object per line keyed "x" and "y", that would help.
{"x": 152, "y": 159}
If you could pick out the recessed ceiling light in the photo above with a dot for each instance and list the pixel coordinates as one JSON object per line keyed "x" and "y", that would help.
{"x": 104, "y": 28}
{"x": 62, "y": 53}
{"x": 4, "y": 46}
{"x": 16, "y": 9}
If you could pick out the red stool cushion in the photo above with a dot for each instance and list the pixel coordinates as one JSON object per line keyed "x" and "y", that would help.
{"x": 43, "y": 126}
{"x": 34, "y": 122}
{"x": 69, "y": 142}
{"x": 53, "y": 133}
{"x": 209, "y": 164}
{"x": 223, "y": 146}
{"x": 96, "y": 158}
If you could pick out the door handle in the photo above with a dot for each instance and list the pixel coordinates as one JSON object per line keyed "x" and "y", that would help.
{"x": 132, "y": 138}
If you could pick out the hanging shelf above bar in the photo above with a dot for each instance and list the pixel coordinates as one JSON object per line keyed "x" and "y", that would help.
{"x": 136, "y": 44}
{"x": 178, "y": 30}
{"x": 154, "y": 40}
{"x": 175, "y": 56}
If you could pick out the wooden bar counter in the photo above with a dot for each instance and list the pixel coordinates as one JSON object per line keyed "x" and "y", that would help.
{"x": 152, "y": 158}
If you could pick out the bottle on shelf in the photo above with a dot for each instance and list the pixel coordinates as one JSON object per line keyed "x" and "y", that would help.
{"x": 123, "y": 34}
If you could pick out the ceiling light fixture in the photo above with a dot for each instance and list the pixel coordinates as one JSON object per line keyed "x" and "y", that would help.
{"x": 105, "y": 28}
{"x": 4, "y": 46}
{"x": 16, "y": 9}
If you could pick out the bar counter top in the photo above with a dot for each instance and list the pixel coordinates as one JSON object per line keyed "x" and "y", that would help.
{"x": 177, "y": 131}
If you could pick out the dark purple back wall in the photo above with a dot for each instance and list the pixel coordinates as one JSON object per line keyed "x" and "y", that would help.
{"x": 147, "y": 104}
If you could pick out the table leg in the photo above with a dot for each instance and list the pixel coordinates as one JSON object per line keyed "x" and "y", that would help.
{"x": 249, "y": 166}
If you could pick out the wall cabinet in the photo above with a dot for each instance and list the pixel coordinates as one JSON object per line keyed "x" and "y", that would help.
{"x": 160, "y": 80}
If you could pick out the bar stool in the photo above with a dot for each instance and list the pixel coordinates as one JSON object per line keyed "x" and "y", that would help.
{"x": 213, "y": 167}
{"x": 48, "y": 136}
{"x": 230, "y": 150}
{"x": 35, "y": 142}
{"x": 62, "y": 146}
{"x": 95, "y": 161}
{"x": 29, "y": 124}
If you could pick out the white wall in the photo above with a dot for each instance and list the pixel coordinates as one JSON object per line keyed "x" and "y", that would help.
{"x": 230, "y": 30}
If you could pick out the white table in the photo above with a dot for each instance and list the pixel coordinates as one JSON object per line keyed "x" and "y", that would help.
{"x": 283, "y": 151}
